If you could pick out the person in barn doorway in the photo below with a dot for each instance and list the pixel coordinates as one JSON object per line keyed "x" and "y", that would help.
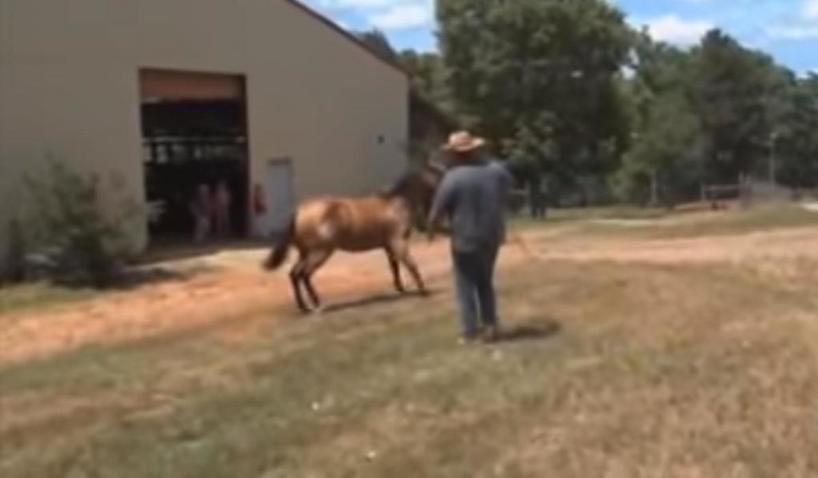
{"x": 222, "y": 200}
{"x": 201, "y": 209}
{"x": 473, "y": 197}
{"x": 259, "y": 210}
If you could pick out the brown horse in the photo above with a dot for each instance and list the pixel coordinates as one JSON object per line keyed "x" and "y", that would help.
{"x": 384, "y": 221}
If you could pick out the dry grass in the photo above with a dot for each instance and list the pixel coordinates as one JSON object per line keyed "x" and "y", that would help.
{"x": 618, "y": 370}
{"x": 663, "y": 225}
{"x": 760, "y": 218}
{"x": 16, "y": 298}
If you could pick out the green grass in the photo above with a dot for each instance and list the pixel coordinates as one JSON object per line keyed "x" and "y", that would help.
{"x": 654, "y": 371}
{"x": 38, "y": 296}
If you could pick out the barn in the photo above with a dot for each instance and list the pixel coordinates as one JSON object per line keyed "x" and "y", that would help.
{"x": 266, "y": 96}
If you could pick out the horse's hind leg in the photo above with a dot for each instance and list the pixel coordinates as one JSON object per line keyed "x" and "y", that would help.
{"x": 394, "y": 265}
{"x": 401, "y": 250}
{"x": 313, "y": 262}
{"x": 296, "y": 276}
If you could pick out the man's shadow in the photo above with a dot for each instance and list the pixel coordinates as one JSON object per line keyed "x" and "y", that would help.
{"x": 524, "y": 333}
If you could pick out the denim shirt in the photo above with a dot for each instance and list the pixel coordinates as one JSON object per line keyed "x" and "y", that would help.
{"x": 473, "y": 197}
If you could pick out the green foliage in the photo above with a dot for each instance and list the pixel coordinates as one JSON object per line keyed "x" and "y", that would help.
{"x": 79, "y": 241}
{"x": 543, "y": 73}
{"x": 666, "y": 149}
{"x": 734, "y": 92}
{"x": 713, "y": 114}
{"x": 429, "y": 78}
{"x": 796, "y": 142}
{"x": 567, "y": 91}
{"x": 664, "y": 162}
{"x": 379, "y": 44}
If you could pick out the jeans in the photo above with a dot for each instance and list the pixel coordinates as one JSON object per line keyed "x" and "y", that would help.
{"x": 474, "y": 279}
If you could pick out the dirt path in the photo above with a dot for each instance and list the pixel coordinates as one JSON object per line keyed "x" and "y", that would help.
{"x": 228, "y": 295}
{"x": 231, "y": 295}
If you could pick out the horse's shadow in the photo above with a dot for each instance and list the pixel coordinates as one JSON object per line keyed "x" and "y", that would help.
{"x": 380, "y": 299}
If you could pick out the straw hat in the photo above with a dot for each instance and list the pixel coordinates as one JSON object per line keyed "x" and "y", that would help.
{"x": 463, "y": 142}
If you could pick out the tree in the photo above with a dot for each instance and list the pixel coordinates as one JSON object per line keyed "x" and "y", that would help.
{"x": 713, "y": 110}
{"x": 425, "y": 69}
{"x": 666, "y": 156}
{"x": 428, "y": 77}
{"x": 378, "y": 43}
{"x": 541, "y": 73}
{"x": 794, "y": 144}
{"x": 733, "y": 92}
{"x": 663, "y": 164}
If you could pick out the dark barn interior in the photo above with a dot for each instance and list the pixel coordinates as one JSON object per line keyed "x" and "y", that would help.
{"x": 188, "y": 142}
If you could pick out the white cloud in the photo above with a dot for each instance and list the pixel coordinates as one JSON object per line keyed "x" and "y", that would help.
{"x": 351, "y": 4}
{"x": 808, "y": 73}
{"x": 802, "y": 26}
{"x": 810, "y": 10}
{"x": 386, "y": 14}
{"x": 676, "y": 30}
{"x": 402, "y": 17}
{"x": 793, "y": 32}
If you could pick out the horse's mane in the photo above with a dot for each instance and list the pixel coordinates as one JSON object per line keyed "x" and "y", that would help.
{"x": 409, "y": 178}
{"x": 400, "y": 186}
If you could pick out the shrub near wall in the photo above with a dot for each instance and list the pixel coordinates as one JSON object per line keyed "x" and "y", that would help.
{"x": 74, "y": 238}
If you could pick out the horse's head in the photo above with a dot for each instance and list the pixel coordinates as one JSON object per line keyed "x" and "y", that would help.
{"x": 418, "y": 186}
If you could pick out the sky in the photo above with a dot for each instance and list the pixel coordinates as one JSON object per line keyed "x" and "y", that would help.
{"x": 787, "y": 29}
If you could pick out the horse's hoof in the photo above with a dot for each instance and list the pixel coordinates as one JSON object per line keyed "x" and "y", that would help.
{"x": 318, "y": 310}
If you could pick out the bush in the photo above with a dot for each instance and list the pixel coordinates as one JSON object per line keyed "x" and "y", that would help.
{"x": 77, "y": 242}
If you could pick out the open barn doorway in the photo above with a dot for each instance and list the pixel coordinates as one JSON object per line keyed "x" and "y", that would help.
{"x": 194, "y": 136}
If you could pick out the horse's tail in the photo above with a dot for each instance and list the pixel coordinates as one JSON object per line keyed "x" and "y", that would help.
{"x": 279, "y": 252}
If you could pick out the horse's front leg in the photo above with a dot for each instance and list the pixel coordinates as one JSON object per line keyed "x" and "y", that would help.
{"x": 394, "y": 266}
{"x": 296, "y": 276}
{"x": 405, "y": 257}
{"x": 314, "y": 262}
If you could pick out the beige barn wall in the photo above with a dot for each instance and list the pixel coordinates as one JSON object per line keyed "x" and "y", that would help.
{"x": 69, "y": 87}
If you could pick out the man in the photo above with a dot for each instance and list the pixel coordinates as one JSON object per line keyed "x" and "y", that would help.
{"x": 201, "y": 208}
{"x": 259, "y": 210}
{"x": 221, "y": 210}
{"x": 536, "y": 198}
{"x": 473, "y": 197}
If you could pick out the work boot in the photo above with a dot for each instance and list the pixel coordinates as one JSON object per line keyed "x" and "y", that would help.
{"x": 468, "y": 339}
{"x": 491, "y": 334}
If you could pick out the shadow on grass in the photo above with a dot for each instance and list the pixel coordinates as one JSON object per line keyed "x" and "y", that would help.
{"x": 525, "y": 333}
{"x": 42, "y": 292}
{"x": 378, "y": 300}
{"x": 129, "y": 279}
{"x": 142, "y": 276}
{"x": 169, "y": 251}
